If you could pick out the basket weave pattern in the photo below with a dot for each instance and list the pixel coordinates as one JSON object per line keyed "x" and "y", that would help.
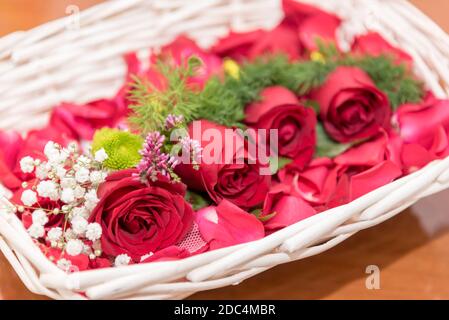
{"x": 56, "y": 62}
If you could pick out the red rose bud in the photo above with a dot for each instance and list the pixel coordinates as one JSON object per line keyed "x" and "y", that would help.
{"x": 351, "y": 107}
{"x": 280, "y": 109}
{"x": 375, "y": 45}
{"x": 227, "y": 169}
{"x": 139, "y": 219}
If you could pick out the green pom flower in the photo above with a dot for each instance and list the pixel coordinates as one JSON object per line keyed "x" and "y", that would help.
{"x": 121, "y": 147}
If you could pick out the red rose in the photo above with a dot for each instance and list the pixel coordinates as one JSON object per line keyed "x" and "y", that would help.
{"x": 374, "y": 44}
{"x": 351, "y": 107}
{"x": 280, "y": 109}
{"x": 229, "y": 173}
{"x": 287, "y": 208}
{"x": 250, "y": 45}
{"x": 138, "y": 219}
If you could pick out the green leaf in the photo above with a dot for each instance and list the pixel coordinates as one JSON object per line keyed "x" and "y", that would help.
{"x": 313, "y": 104}
{"x": 223, "y": 101}
{"x": 326, "y": 147}
{"x": 277, "y": 163}
{"x": 261, "y": 217}
{"x": 196, "y": 200}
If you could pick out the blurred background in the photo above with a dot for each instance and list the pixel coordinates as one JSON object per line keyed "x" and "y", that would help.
{"x": 411, "y": 250}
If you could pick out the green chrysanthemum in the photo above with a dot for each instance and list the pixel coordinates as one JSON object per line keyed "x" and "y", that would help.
{"x": 121, "y": 147}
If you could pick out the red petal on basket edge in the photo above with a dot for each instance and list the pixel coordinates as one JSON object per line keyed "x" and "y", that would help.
{"x": 374, "y": 44}
{"x": 369, "y": 180}
{"x": 168, "y": 254}
{"x": 322, "y": 26}
{"x": 226, "y": 225}
{"x": 288, "y": 208}
{"x": 81, "y": 120}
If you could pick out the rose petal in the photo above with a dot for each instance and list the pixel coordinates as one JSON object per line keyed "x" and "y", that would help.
{"x": 369, "y": 180}
{"x": 227, "y": 225}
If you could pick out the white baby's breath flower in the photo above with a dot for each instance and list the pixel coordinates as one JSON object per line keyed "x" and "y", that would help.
{"x": 69, "y": 234}
{"x": 28, "y": 197}
{"x": 27, "y": 164}
{"x": 91, "y": 195}
{"x": 51, "y": 150}
{"x": 87, "y": 250}
{"x": 41, "y": 171}
{"x": 54, "y": 234}
{"x": 83, "y": 161}
{"x": 79, "y": 192}
{"x": 60, "y": 172}
{"x": 48, "y": 189}
{"x": 36, "y": 231}
{"x": 39, "y": 216}
{"x": 79, "y": 225}
{"x": 64, "y": 154}
{"x": 74, "y": 247}
{"x": 91, "y": 199}
{"x": 101, "y": 155}
{"x": 67, "y": 195}
{"x": 97, "y": 177}
{"x": 72, "y": 147}
{"x": 93, "y": 231}
{"x": 82, "y": 175}
{"x": 68, "y": 183}
{"x": 80, "y": 212}
{"x": 122, "y": 260}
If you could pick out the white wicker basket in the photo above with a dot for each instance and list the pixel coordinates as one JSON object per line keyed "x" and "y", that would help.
{"x": 54, "y": 63}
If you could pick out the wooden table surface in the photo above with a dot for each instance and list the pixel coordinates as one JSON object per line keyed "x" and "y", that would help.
{"x": 411, "y": 250}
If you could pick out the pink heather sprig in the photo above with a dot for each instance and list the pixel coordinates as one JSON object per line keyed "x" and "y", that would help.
{"x": 172, "y": 121}
{"x": 154, "y": 160}
{"x": 192, "y": 148}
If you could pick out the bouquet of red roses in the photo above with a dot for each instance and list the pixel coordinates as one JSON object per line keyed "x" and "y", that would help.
{"x": 206, "y": 149}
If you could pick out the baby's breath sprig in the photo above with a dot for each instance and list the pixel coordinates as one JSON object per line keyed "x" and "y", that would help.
{"x": 67, "y": 180}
